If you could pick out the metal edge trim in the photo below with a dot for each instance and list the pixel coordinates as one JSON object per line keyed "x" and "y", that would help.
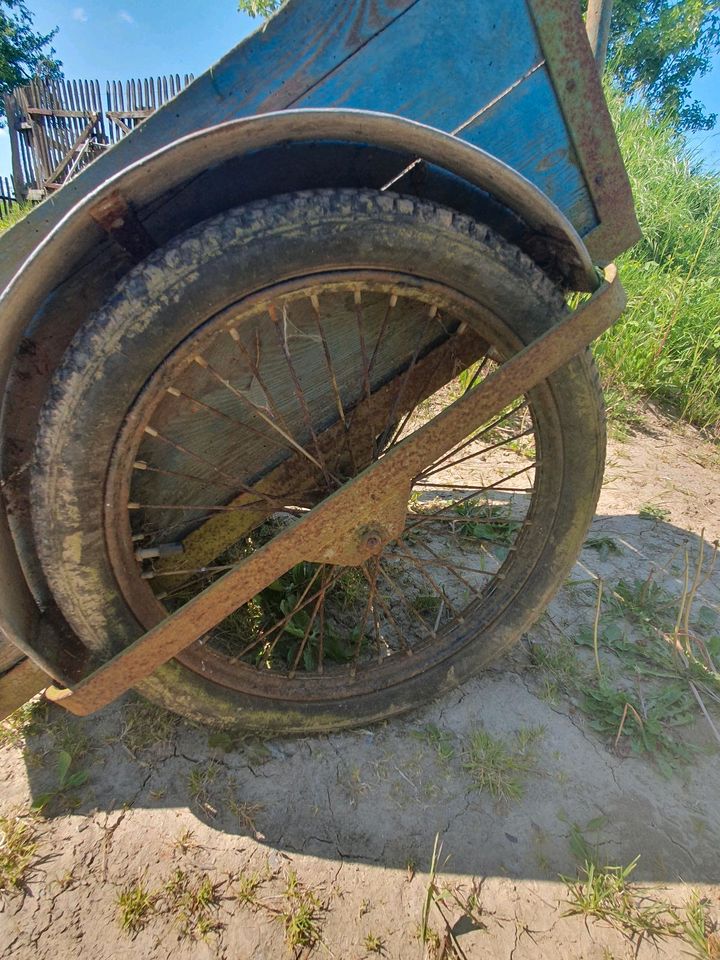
{"x": 577, "y": 84}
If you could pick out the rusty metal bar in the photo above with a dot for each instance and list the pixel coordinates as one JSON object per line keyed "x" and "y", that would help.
{"x": 342, "y": 529}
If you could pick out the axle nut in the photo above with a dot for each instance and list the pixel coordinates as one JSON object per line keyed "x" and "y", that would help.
{"x": 372, "y": 541}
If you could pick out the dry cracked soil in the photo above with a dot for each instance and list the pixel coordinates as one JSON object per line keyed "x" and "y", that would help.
{"x": 584, "y": 749}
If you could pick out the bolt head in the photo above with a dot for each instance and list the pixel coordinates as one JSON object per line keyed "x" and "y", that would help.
{"x": 373, "y": 541}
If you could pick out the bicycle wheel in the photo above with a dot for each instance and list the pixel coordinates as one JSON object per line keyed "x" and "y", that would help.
{"x": 254, "y": 365}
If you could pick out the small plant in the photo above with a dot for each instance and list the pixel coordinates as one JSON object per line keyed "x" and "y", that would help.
{"x": 485, "y": 521}
{"x": 426, "y": 603}
{"x": 145, "y": 725}
{"x": 192, "y": 902}
{"x": 644, "y": 603}
{"x": 607, "y": 894}
{"x": 66, "y": 781}
{"x": 185, "y": 842}
{"x": 441, "y": 741}
{"x": 446, "y": 903}
{"x": 136, "y": 905}
{"x": 499, "y": 767}
{"x": 247, "y": 888}
{"x": 617, "y": 713}
{"x": 27, "y": 721}
{"x": 701, "y": 932}
{"x": 301, "y": 915}
{"x": 650, "y": 511}
{"x": 604, "y": 546}
{"x": 199, "y": 781}
{"x": 559, "y": 660}
{"x": 247, "y": 813}
{"x": 17, "y": 846}
{"x": 374, "y": 944}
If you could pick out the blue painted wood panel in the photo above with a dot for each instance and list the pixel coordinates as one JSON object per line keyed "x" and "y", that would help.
{"x": 441, "y": 63}
{"x": 526, "y": 129}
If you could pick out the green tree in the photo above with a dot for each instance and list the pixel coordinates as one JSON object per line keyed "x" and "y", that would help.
{"x": 24, "y": 54}
{"x": 657, "y": 49}
{"x": 259, "y": 8}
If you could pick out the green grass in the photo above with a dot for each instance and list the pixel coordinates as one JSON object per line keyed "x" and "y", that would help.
{"x": 136, "y": 905}
{"x": 18, "y": 211}
{"x": 667, "y": 344}
{"x": 608, "y": 895}
{"x": 17, "y": 847}
{"x": 500, "y": 766}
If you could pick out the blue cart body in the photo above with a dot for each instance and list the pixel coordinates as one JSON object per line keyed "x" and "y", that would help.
{"x": 513, "y": 77}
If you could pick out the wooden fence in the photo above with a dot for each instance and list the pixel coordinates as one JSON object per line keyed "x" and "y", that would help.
{"x": 7, "y": 196}
{"x": 57, "y": 128}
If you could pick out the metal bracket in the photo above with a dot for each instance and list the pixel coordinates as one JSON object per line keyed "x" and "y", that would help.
{"x": 358, "y": 506}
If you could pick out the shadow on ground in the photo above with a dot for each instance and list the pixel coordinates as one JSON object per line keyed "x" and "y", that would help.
{"x": 381, "y": 795}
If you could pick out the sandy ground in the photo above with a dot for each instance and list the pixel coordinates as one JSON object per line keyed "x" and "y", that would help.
{"x": 216, "y": 830}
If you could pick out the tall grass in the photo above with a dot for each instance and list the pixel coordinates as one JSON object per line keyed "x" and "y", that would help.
{"x": 17, "y": 212}
{"x": 667, "y": 344}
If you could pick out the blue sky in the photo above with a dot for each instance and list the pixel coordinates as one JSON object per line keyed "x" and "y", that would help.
{"x": 110, "y": 40}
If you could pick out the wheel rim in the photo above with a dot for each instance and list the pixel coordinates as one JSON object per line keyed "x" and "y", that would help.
{"x": 283, "y": 369}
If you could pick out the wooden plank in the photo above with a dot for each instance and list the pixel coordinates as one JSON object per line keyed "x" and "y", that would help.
{"x": 15, "y": 138}
{"x": 543, "y": 153}
{"x": 484, "y": 51}
{"x": 438, "y": 64}
{"x": 19, "y": 685}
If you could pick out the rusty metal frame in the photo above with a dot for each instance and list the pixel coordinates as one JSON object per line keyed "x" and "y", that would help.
{"x": 354, "y": 521}
{"x": 575, "y": 77}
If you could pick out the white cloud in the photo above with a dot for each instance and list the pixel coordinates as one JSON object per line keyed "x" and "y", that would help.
{"x": 126, "y": 17}
{"x": 79, "y": 14}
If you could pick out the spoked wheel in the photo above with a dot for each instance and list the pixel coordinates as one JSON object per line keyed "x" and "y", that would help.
{"x": 257, "y": 364}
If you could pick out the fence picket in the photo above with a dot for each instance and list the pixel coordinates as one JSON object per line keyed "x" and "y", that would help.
{"x": 49, "y": 124}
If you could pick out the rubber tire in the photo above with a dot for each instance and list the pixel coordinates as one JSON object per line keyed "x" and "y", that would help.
{"x": 179, "y": 287}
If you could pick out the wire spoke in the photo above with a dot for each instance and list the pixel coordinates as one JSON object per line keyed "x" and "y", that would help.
{"x": 315, "y": 302}
{"x": 155, "y": 434}
{"x": 408, "y": 606}
{"x": 390, "y": 618}
{"x": 244, "y": 398}
{"x": 453, "y": 568}
{"x": 378, "y": 444}
{"x": 472, "y": 456}
{"x": 271, "y": 438}
{"x": 423, "y": 573}
{"x": 491, "y": 486}
{"x": 299, "y": 393}
{"x": 476, "y": 436}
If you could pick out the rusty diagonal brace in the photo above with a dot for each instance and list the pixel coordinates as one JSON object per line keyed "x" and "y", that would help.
{"x": 353, "y": 522}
